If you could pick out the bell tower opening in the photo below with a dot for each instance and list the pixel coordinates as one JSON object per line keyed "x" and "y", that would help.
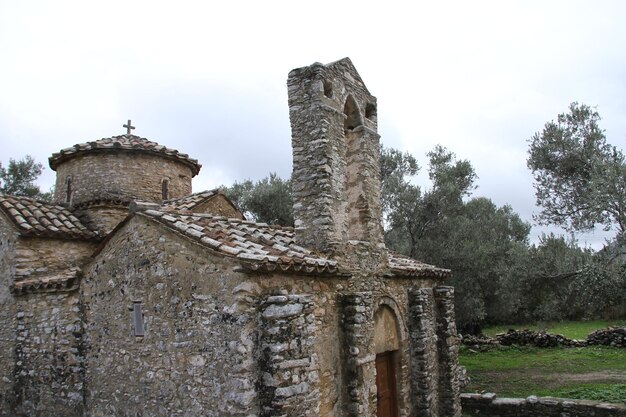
{"x": 336, "y": 151}
{"x": 356, "y": 207}
{"x": 352, "y": 114}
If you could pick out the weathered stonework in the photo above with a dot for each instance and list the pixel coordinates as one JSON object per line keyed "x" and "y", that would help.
{"x": 121, "y": 302}
{"x": 197, "y": 331}
{"x": 448, "y": 349}
{"x": 424, "y": 353}
{"x": 336, "y": 183}
{"x": 289, "y": 383}
{"x": 358, "y": 356}
{"x": 120, "y": 176}
{"x": 8, "y": 240}
{"x": 49, "y": 367}
{"x": 490, "y": 405}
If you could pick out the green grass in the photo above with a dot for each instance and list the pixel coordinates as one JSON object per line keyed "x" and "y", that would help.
{"x": 571, "y": 360}
{"x": 571, "y": 329}
{"x": 560, "y": 372}
{"x": 615, "y": 393}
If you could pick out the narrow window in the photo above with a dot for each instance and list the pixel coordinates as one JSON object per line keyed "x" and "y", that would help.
{"x": 351, "y": 114}
{"x": 68, "y": 189}
{"x": 165, "y": 192}
{"x": 328, "y": 89}
{"x": 137, "y": 319}
{"x": 370, "y": 111}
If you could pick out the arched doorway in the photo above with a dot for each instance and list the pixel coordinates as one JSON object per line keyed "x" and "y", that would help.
{"x": 387, "y": 345}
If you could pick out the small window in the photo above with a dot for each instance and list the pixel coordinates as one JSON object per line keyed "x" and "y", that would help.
{"x": 68, "y": 189}
{"x": 370, "y": 111}
{"x": 328, "y": 89}
{"x": 165, "y": 192}
{"x": 138, "y": 327}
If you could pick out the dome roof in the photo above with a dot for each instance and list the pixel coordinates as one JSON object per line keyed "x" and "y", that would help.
{"x": 127, "y": 143}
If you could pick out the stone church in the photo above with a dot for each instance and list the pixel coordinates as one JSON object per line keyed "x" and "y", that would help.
{"x": 131, "y": 296}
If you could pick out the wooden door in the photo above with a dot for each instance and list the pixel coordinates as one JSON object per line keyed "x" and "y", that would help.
{"x": 386, "y": 385}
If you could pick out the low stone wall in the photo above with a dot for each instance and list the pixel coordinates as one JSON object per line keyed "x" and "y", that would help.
{"x": 613, "y": 336}
{"x": 485, "y": 405}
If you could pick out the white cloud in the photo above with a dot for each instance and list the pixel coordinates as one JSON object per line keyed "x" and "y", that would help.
{"x": 209, "y": 78}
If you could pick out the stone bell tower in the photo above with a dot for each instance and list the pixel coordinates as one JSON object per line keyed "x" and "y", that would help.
{"x": 336, "y": 167}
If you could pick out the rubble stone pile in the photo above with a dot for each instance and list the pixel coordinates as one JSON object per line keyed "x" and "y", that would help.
{"x": 613, "y": 336}
{"x": 539, "y": 339}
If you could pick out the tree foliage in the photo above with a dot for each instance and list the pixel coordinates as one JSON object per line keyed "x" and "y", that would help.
{"x": 19, "y": 177}
{"x": 474, "y": 238}
{"x": 268, "y": 200}
{"x": 498, "y": 276}
{"x": 580, "y": 180}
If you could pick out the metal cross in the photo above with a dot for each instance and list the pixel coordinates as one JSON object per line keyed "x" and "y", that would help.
{"x": 128, "y": 127}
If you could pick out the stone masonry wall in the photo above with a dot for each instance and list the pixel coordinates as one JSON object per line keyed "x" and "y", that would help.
{"x": 336, "y": 183}
{"x": 40, "y": 334}
{"x": 103, "y": 217}
{"x": 360, "y": 397}
{"x": 198, "y": 354}
{"x": 36, "y": 257}
{"x": 448, "y": 349}
{"x": 121, "y": 175}
{"x": 488, "y": 405}
{"x": 8, "y": 240}
{"x": 218, "y": 206}
{"x": 344, "y": 340}
{"x": 289, "y": 380}
{"x": 49, "y": 368}
{"x": 424, "y": 353}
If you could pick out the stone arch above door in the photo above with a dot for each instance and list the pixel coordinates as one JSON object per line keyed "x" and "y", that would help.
{"x": 389, "y": 331}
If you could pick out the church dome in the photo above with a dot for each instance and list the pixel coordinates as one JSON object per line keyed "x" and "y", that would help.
{"x": 121, "y": 169}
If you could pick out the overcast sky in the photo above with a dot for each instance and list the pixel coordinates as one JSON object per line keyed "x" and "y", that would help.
{"x": 209, "y": 78}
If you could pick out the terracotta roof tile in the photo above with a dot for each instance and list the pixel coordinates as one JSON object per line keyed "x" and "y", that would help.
{"x": 123, "y": 142}
{"x": 261, "y": 247}
{"x": 59, "y": 281}
{"x": 49, "y": 220}
{"x": 258, "y": 246}
{"x": 190, "y": 201}
{"x": 401, "y": 265}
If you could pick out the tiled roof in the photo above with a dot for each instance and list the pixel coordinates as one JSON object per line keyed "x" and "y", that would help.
{"x": 62, "y": 280}
{"x": 190, "y": 201}
{"x": 401, "y": 265}
{"x": 38, "y": 218}
{"x": 260, "y": 247}
{"x": 125, "y": 142}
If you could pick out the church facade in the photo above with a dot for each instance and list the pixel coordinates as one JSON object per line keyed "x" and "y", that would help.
{"x": 132, "y": 296}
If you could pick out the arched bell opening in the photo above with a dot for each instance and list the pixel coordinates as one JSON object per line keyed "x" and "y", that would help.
{"x": 352, "y": 114}
{"x": 356, "y": 203}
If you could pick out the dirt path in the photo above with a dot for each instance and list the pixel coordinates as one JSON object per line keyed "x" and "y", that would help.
{"x": 608, "y": 376}
{"x": 528, "y": 380}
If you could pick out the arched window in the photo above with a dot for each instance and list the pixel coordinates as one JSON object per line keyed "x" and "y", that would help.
{"x": 352, "y": 114}
{"x": 356, "y": 204}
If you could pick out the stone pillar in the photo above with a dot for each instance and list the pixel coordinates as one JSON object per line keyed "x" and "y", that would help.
{"x": 336, "y": 167}
{"x": 424, "y": 353}
{"x": 289, "y": 380}
{"x": 448, "y": 348}
{"x": 359, "y": 357}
